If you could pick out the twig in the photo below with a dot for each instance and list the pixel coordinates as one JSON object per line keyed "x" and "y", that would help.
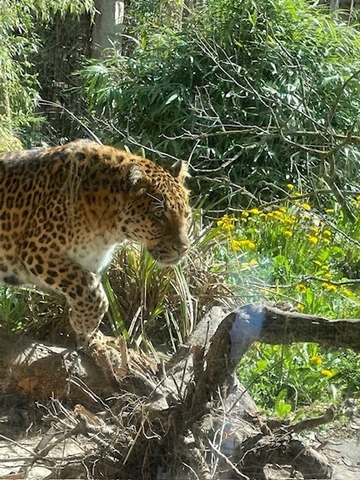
{"x": 48, "y": 103}
{"x": 332, "y": 282}
{"x": 81, "y": 427}
{"x": 197, "y": 431}
{"x": 341, "y": 91}
{"x": 7, "y": 439}
{"x": 311, "y": 423}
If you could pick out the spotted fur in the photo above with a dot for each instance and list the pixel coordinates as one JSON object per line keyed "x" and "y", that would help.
{"x": 63, "y": 211}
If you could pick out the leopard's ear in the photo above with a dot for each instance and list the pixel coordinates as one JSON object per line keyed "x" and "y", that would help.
{"x": 134, "y": 178}
{"x": 179, "y": 170}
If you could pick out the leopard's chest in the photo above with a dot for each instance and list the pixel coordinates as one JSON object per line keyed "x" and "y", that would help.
{"x": 94, "y": 256}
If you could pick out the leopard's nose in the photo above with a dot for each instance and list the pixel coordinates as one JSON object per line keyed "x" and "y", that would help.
{"x": 181, "y": 247}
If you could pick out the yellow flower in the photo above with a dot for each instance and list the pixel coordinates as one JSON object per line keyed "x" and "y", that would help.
{"x": 227, "y": 223}
{"x": 300, "y": 307}
{"x": 326, "y": 240}
{"x": 329, "y": 210}
{"x": 313, "y": 240}
{"x": 250, "y": 245}
{"x": 327, "y": 233}
{"x": 326, "y": 372}
{"x": 301, "y": 288}
{"x": 316, "y": 359}
{"x": 291, "y": 220}
{"x": 237, "y": 245}
{"x": 318, "y": 263}
{"x": 283, "y": 209}
{"x": 328, "y": 275}
{"x": 329, "y": 286}
{"x": 290, "y": 186}
{"x": 278, "y": 215}
{"x": 288, "y": 233}
{"x": 254, "y": 211}
{"x": 306, "y": 206}
{"x": 346, "y": 292}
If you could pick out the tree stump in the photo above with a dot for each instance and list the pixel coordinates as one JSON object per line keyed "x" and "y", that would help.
{"x": 190, "y": 418}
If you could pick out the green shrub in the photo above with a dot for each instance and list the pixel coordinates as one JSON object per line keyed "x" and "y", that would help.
{"x": 261, "y": 92}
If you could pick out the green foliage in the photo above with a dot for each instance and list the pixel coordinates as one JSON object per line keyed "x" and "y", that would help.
{"x": 13, "y": 310}
{"x": 20, "y": 42}
{"x": 292, "y": 253}
{"x": 7, "y": 140}
{"x": 147, "y": 16}
{"x": 291, "y": 378}
{"x": 17, "y": 88}
{"x": 235, "y": 89}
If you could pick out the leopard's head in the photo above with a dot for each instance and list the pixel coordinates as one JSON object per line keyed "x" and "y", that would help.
{"x": 158, "y": 214}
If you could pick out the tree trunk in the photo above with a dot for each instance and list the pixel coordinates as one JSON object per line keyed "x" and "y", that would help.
{"x": 108, "y": 25}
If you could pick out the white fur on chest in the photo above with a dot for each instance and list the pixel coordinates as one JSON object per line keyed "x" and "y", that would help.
{"x": 93, "y": 257}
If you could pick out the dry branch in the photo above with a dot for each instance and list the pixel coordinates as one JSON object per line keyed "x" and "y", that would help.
{"x": 278, "y": 326}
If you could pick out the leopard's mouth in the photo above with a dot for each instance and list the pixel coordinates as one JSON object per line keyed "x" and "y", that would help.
{"x": 167, "y": 258}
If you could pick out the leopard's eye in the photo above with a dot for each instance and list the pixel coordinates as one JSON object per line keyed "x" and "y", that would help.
{"x": 159, "y": 213}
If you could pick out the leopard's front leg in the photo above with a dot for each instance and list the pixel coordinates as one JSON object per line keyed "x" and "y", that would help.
{"x": 84, "y": 293}
{"x": 87, "y": 301}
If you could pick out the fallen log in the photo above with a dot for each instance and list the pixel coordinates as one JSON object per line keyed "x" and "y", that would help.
{"x": 41, "y": 370}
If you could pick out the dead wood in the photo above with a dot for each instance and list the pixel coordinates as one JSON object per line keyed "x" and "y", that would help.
{"x": 39, "y": 370}
{"x": 278, "y": 326}
{"x": 191, "y": 419}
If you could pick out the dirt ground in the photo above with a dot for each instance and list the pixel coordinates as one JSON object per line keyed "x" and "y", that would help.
{"x": 25, "y": 430}
{"x": 341, "y": 445}
{"x": 344, "y": 456}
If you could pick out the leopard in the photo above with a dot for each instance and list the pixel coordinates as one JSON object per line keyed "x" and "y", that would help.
{"x": 64, "y": 210}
